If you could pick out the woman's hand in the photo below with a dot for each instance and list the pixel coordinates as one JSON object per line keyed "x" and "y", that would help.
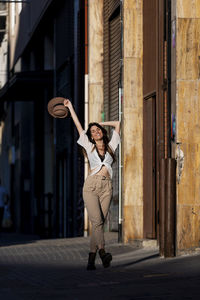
{"x": 115, "y": 124}
{"x": 67, "y": 103}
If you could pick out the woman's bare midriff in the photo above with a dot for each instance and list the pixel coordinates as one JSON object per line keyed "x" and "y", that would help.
{"x": 103, "y": 172}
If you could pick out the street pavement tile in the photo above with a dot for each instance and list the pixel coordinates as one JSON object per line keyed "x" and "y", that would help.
{"x": 36, "y": 269}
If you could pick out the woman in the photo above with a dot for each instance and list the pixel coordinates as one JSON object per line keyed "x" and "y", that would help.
{"x": 97, "y": 189}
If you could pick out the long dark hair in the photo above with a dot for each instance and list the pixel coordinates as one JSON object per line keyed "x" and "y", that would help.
{"x": 105, "y": 139}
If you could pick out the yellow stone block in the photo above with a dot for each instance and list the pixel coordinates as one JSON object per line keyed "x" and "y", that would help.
{"x": 95, "y": 41}
{"x": 133, "y": 177}
{"x": 133, "y": 30}
{"x": 188, "y": 188}
{"x": 133, "y": 4}
{"x": 133, "y": 83}
{"x": 95, "y": 29}
{"x": 188, "y": 8}
{"x": 133, "y": 223}
{"x": 95, "y": 102}
{"x": 133, "y": 157}
{"x": 133, "y": 128}
{"x": 188, "y": 49}
{"x": 197, "y": 9}
{"x": 188, "y": 111}
{"x": 187, "y": 227}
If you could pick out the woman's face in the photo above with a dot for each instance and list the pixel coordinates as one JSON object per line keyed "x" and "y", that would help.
{"x": 96, "y": 133}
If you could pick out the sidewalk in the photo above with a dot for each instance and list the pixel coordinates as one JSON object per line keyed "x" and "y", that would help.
{"x": 31, "y": 268}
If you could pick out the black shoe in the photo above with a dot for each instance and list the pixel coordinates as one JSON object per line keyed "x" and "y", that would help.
{"x": 91, "y": 261}
{"x": 105, "y": 257}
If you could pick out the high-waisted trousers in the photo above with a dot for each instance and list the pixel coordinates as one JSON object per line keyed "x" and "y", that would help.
{"x": 97, "y": 194}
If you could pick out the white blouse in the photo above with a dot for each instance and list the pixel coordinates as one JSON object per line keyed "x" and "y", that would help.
{"x": 93, "y": 157}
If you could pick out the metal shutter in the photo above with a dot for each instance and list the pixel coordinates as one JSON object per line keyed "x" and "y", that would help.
{"x": 112, "y": 35}
{"x": 114, "y": 67}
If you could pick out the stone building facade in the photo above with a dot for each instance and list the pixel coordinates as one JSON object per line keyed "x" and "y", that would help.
{"x": 161, "y": 93}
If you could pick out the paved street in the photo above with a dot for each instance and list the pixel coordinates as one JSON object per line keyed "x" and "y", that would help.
{"x": 31, "y": 268}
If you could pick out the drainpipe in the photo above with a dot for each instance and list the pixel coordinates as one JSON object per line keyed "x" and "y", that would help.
{"x": 86, "y": 107}
{"x": 120, "y": 220}
{"x": 167, "y": 197}
{"x": 120, "y": 171}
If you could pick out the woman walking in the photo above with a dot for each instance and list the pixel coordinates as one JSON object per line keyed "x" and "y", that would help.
{"x": 97, "y": 189}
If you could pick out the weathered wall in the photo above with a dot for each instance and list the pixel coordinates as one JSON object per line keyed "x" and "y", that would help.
{"x": 95, "y": 30}
{"x": 187, "y": 18}
{"x": 133, "y": 121}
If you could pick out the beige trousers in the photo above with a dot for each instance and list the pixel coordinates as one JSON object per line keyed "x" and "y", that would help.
{"x": 97, "y": 193}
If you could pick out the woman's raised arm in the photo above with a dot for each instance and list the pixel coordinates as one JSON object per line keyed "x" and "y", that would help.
{"x": 115, "y": 124}
{"x": 77, "y": 123}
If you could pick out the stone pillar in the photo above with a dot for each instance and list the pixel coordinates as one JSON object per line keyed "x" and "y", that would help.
{"x": 95, "y": 31}
{"x": 187, "y": 20}
{"x": 132, "y": 138}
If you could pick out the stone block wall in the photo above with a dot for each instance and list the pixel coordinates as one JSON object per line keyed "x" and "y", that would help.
{"x": 187, "y": 81}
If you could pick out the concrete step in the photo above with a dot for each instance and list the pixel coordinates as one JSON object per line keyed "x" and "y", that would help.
{"x": 145, "y": 243}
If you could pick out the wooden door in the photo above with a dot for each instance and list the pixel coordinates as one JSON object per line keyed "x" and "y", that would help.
{"x": 154, "y": 43}
{"x": 149, "y": 180}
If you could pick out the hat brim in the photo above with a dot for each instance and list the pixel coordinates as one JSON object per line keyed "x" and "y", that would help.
{"x": 56, "y": 108}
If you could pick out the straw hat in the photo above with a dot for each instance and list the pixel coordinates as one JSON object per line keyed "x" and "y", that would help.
{"x": 56, "y": 108}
